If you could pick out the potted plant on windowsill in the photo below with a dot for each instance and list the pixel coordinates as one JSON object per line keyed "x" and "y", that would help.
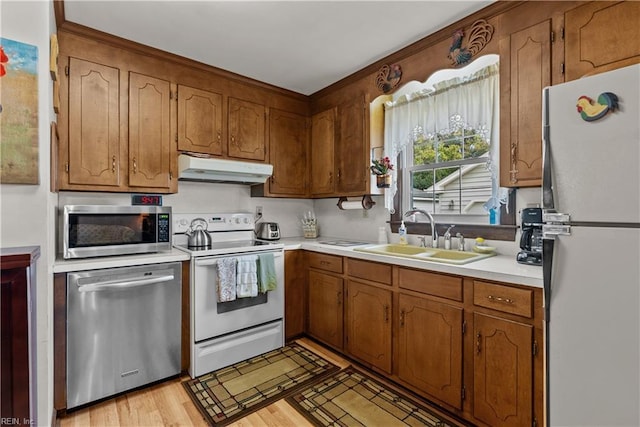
{"x": 381, "y": 168}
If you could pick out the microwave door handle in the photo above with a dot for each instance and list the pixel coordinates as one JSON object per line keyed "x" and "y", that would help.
{"x": 124, "y": 284}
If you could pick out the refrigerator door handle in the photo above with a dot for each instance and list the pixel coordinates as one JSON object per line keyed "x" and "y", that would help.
{"x": 547, "y": 263}
{"x": 547, "y": 185}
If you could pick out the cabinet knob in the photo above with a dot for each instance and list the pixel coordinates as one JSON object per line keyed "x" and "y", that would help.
{"x": 386, "y": 314}
{"x": 402, "y": 318}
{"x": 478, "y": 342}
{"x": 113, "y": 164}
{"x": 135, "y": 165}
{"x": 219, "y": 136}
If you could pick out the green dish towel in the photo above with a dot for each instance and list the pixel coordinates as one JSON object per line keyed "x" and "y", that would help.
{"x": 267, "y": 277}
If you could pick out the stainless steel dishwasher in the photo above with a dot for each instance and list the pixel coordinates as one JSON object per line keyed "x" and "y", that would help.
{"x": 123, "y": 329}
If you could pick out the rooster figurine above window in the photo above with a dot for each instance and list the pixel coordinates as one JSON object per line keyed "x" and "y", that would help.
{"x": 480, "y": 34}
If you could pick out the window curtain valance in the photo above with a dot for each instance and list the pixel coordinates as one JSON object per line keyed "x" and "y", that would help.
{"x": 474, "y": 98}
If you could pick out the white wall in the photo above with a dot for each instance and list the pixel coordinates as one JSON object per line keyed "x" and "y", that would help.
{"x": 25, "y": 209}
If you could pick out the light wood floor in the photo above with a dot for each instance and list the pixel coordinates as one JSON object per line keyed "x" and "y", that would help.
{"x": 168, "y": 404}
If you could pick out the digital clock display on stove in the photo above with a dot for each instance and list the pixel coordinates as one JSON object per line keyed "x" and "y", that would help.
{"x": 146, "y": 200}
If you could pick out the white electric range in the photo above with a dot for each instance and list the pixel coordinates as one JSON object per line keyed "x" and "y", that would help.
{"x": 223, "y": 333}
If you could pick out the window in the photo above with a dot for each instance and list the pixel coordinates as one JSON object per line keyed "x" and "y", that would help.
{"x": 445, "y": 135}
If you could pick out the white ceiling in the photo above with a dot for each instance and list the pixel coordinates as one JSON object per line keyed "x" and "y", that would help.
{"x": 302, "y": 46}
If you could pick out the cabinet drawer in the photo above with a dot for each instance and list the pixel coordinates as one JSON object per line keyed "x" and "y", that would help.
{"x": 325, "y": 262}
{"x": 439, "y": 285}
{"x": 503, "y": 298}
{"x": 367, "y": 270}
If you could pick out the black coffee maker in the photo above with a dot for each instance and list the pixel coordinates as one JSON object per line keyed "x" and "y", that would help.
{"x": 531, "y": 238}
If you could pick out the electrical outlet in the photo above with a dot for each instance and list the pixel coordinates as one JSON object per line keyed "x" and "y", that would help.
{"x": 258, "y": 211}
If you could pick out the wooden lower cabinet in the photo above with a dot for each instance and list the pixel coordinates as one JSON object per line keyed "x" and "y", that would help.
{"x": 503, "y": 371}
{"x": 368, "y": 317}
{"x": 472, "y": 346}
{"x": 430, "y": 347}
{"x": 325, "y": 308}
{"x": 294, "y": 294}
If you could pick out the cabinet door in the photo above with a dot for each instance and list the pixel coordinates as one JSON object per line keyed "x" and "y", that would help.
{"x": 503, "y": 371}
{"x": 94, "y": 124}
{"x": 294, "y": 294}
{"x": 323, "y": 128}
{"x": 430, "y": 347}
{"x": 601, "y": 36}
{"x": 369, "y": 324}
{"x": 199, "y": 121}
{"x": 288, "y": 141}
{"x": 149, "y": 132}
{"x": 246, "y": 130}
{"x": 325, "y": 308}
{"x": 522, "y": 78}
{"x": 352, "y": 163}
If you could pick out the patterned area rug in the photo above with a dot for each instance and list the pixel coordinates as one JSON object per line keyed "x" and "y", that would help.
{"x": 351, "y": 398}
{"x": 233, "y": 392}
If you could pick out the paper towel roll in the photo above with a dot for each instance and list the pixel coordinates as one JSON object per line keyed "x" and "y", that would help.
{"x": 351, "y": 205}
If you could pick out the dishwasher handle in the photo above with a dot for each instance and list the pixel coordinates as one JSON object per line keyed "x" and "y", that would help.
{"x": 124, "y": 284}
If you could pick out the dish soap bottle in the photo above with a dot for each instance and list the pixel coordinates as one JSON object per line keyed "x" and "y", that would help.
{"x": 402, "y": 231}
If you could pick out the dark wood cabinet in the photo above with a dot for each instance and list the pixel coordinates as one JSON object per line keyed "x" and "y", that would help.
{"x": 288, "y": 142}
{"x": 325, "y": 311}
{"x": 351, "y": 159}
{"x": 368, "y": 324}
{"x": 95, "y": 150}
{"x": 150, "y": 147}
{"x": 430, "y": 347}
{"x": 323, "y": 135}
{"x": 18, "y": 334}
{"x": 294, "y": 294}
{"x": 601, "y": 36}
{"x": 503, "y": 371}
{"x": 199, "y": 121}
{"x": 246, "y": 130}
{"x": 116, "y": 139}
{"x": 525, "y": 70}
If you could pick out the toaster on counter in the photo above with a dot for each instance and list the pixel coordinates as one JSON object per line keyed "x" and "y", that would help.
{"x": 268, "y": 231}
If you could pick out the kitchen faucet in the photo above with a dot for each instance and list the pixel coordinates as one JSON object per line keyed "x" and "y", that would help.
{"x": 434, "y": 232}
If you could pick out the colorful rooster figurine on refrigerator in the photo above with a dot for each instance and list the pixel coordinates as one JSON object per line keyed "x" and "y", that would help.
{"x": 591, "y": 110}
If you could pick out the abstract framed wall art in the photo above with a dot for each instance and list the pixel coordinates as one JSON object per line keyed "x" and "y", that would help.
{"x": 18, "y": 113}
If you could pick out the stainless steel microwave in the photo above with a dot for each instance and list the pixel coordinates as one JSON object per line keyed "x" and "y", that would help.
{"x": 105, "y": 230}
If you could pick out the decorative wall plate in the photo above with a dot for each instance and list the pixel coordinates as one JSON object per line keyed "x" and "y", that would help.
{"x": 388, "y": 77}
{"x": 479, "y": 36}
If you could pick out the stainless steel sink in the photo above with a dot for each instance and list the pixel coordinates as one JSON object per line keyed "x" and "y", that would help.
{"x": 425, "y": 254}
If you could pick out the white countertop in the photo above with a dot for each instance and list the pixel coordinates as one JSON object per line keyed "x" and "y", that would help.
{"x": 67, "y": 265}
{"x": 502, "y": 267}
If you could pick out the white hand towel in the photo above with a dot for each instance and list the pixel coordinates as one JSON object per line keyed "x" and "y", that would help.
{"x": 226, "y": 279}
{"x": 247, "y": 276}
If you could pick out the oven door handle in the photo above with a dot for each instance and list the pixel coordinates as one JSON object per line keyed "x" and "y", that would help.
{"x": 124, "y": 284}
{"x": 212, "y": 261}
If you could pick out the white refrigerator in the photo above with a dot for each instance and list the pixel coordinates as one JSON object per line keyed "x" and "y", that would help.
{"x": 591, "y": 250}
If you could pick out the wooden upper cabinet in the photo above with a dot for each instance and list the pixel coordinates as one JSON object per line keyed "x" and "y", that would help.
{"x": 323, "y": 135}
{"x": 149, "y": 132}
{"x": 288, "y": 142}
{"x": 246, "y": 130}
{"x": 352, "y": 162}
{"x": 525, "y": 70}
{"x": 601, "y": 36}
{"x": 199, "y": 121}
{"x": 94, "y": 150}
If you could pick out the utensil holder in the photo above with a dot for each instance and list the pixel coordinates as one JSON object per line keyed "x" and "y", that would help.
{"x": 310, "y": 231}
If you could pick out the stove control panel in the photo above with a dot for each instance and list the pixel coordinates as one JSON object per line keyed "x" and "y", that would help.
{"x": 238, "y": 221}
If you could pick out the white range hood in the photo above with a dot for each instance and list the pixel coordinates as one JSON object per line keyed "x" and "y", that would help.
{"x": 192, "y": 168}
